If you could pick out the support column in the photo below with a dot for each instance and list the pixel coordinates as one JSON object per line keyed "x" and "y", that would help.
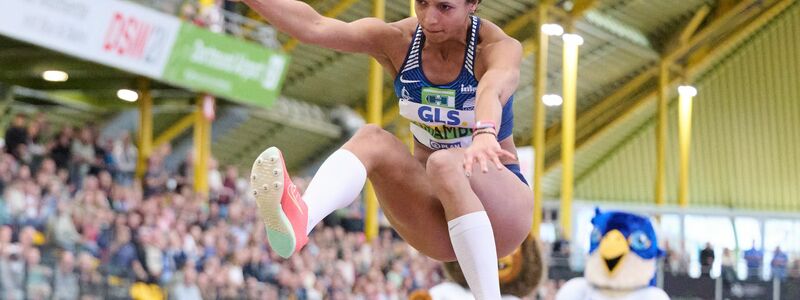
{"x": 202, "y": 142}
{"x": 685, "y": 137}
{"x": 570, "y": 64}
{"x": 661, "y": 132}
{"x": 374, "y": 114}
{"x": 145, "y": 126}
{"x": 540, "y": 113}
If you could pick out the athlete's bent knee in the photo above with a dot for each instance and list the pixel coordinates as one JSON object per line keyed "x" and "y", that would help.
{"x": 443, "y": 163}
{"x": 371, "y": 144}
{"x": 371, "y": 136}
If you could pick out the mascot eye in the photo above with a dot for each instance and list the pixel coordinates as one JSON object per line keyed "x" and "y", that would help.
{"x": 639, "y": 241}
{"x": 596, "y": 236}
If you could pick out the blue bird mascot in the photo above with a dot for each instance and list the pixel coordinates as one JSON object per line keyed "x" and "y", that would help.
{"x": 622, "y": 261}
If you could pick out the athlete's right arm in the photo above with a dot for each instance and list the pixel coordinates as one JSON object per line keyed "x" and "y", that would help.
{"x": 302, "y": 22}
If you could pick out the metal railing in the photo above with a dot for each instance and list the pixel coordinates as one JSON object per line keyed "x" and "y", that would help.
{"x": 233, "y": 24}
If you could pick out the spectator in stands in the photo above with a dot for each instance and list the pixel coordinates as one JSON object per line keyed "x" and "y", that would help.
{"x": 155, "y": 179}
{"x": 12, "y": 272}
{"x": 122, "y": 254}
{"x": 62, "y": 229}
{"x": 560, "y": 251}
{"x": 7, "y": 171}
{"x": 211, "y": 15}
{"x": 5, "y": 237}
{"x": 174, "y": 258}
{"x": 14, "y": 194}
{"x": 228, "y": 190}
{"x": 32, "y": 212}
{"x": 27, "y": 239}
{"x": 66, "y": 280}
{"x": 779, "y": 264}
{"x": 215, "y": 180}
{"x": 794, "y": 271}
{"x": 706, "y": 260}
{"x": 83, "y": 156}
{"x": 61, "y": 149}
{"x": 153, "y": 255}
{"x": 187, "y": 288}
{"x": 679, "y": 260}
{"x": 35, "y": 143}
{"x": 16, "y": 136}
{"x": 753, "y": 257}
{"x": 669, "y": 257}
{"x": 90, "y": 279}
{"x": 125, "y": 155}
{"x": 37, "y": 276}
{"x": 728, "y": 272}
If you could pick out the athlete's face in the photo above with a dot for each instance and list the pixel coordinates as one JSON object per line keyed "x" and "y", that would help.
{"x": 443, "y": 20}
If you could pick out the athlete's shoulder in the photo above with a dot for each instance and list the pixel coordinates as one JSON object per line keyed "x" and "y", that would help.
{"x": 393, "y": 39}
{"x": 491, "y": 33}
{"x": 494, "y": 40}
{"x": 406, "y": 26}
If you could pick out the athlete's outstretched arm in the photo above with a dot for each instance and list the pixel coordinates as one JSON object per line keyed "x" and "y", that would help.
{"x": 496, "y": 86}
{"x": 501, "y": 78}
{"x": 302, "y": 22}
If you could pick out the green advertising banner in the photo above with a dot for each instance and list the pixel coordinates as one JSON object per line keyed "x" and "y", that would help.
{"x": 224, "y": 66}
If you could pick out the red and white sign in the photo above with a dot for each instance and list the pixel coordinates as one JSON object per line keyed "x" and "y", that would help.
{"x": 112, "y": 32}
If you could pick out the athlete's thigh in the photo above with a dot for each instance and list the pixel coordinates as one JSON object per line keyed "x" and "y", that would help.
{"x": 508, "y": 202}
{"x": 404, "y": 193}
{"x": 506, "y": 199}
{"x": 408, "y": 201}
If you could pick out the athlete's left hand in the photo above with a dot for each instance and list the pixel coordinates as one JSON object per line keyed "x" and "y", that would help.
{"x": 484, "y": 149}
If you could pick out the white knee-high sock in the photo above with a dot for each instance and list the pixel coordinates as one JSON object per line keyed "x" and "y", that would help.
{"x": 473, "y": 241}
{"x": 337, "y": 183}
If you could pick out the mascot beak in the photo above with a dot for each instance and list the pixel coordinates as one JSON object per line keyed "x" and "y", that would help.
{"x": 612, "y": 249}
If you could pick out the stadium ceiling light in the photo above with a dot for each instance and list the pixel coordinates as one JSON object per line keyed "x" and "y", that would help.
{"x": 572, "y": 39}
{"x": 552, "y": 29}
{"x": 552, "y": 100}
{"x": 687, "y": 91}
{"x": 127, "y": 95}
{"x": 55, "y": 76}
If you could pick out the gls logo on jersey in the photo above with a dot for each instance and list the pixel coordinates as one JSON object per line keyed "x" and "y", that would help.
{"x": 440, "y": 100}
{"x": 433, "y": 114}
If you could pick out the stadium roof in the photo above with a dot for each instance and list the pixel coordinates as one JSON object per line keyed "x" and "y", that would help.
{"x": 625, "y": 40}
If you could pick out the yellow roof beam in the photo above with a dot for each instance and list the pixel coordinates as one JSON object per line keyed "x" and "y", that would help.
{"x": 694, "y": 24}
{"x": 582, "y": 6}
{"x": 635, "y": 84}
{"x": 692, "y": 70}
{"x": 175, "y": 130}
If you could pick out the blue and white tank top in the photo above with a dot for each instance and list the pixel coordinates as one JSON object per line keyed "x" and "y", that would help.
{"x": 442, "y": 116}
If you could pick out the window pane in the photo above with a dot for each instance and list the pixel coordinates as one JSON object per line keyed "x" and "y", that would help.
{"x": 718, "y": 231}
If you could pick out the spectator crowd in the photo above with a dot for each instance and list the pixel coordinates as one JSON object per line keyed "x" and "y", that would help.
{"x": 77, "y": 225}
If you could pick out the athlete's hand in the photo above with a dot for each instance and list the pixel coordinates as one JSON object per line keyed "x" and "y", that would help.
{"x": 484, "y": 150}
